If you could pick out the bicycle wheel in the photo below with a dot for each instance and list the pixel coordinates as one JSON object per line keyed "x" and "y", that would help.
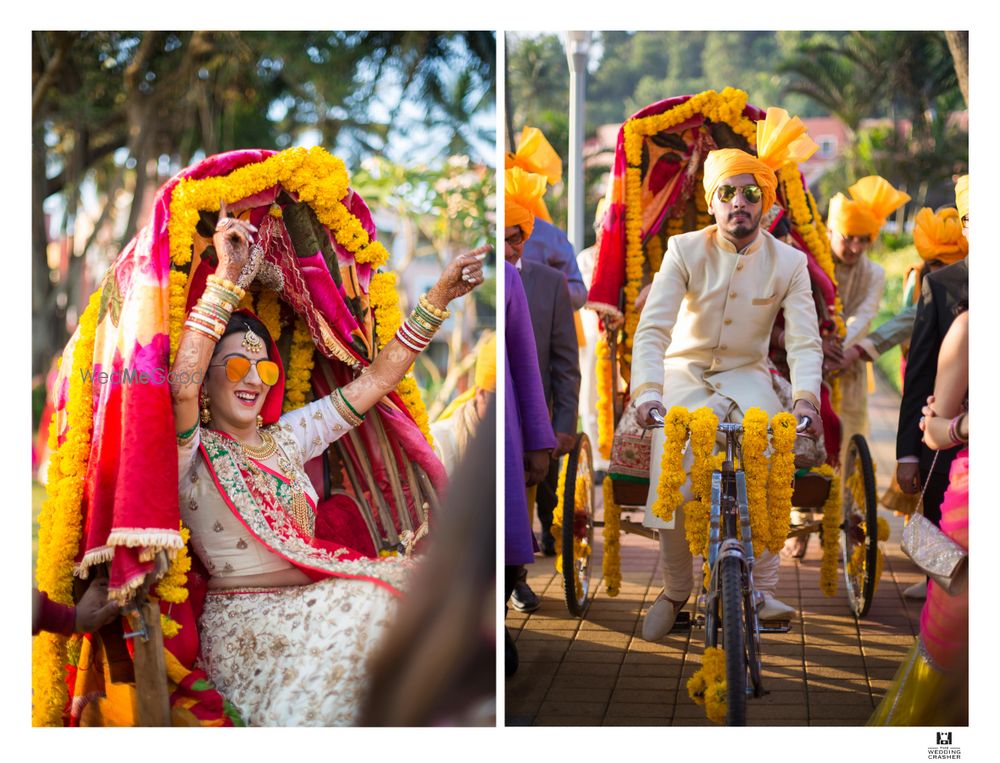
{"x": 860, "y": 549}
{"x": 731, "y": 583}
{"x": 578, "y": 526}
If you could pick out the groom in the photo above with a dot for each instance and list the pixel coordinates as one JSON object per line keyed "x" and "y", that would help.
{"x": 703, "y": 335}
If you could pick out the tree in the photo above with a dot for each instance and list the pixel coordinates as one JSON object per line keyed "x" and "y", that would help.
{"x": 119, "y": 112}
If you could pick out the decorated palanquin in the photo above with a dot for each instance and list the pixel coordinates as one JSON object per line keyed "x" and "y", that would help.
{"x": 113, "y": 476}
{"x": 656, "y": 192}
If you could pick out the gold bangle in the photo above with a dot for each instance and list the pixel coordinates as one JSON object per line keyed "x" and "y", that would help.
{"x": 227, "y": 285}
{"x": 217, "y": 292}
{"x": 437, "y": 312}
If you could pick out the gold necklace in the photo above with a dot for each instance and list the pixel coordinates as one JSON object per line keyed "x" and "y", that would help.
{"x": 263, "y": 451}
{"x": 300, "y": 512}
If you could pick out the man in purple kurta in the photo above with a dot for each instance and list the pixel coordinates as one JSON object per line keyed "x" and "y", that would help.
{"x": 526, "y": 418}
{"x": 528, "y": 435}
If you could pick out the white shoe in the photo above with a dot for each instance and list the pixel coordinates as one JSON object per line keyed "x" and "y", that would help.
{"x": 660, "y": 618}
{"x": 774, "y": 609}
{"x": 916, "y": 591}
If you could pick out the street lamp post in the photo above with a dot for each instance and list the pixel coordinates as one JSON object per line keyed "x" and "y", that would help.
{"x": 577, "y": 50}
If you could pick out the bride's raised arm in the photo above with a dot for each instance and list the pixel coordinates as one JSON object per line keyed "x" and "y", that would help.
{"x": 460, "y": 277}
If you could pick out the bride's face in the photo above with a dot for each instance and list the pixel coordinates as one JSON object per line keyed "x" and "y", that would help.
{"x": 235, "y": 404}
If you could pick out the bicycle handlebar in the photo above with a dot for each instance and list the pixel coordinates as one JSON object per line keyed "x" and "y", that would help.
{"x": 659, "y": 422}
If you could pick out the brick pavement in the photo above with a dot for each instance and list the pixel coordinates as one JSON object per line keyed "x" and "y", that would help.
{"x": 830, "y": 670}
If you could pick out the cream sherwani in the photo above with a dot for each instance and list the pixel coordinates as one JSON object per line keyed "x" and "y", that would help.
{"x": 702, "y": 339}
{"x": 860, "y": 287}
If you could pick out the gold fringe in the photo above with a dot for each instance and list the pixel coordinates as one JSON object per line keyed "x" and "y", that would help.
{"x": 123, "y": 594}
{"x": 130, "y": 537}
{"x": 98, "y": 555}
{"x": 604, "y": 307}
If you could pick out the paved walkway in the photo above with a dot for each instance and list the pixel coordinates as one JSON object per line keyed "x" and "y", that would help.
{"x": 829, "y": 670}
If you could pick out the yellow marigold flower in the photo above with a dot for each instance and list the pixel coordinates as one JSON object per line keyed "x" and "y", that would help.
{"x": 611, "y": 534}
{"x": 672, "y": 476}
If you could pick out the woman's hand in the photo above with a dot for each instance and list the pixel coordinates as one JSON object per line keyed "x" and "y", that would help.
{"x": 239, "y": 257}
{"x": 462, "y": 275}
{"x": 936, "y": 429}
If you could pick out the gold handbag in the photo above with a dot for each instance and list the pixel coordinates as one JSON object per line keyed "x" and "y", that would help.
{"x": 941, "y": 558}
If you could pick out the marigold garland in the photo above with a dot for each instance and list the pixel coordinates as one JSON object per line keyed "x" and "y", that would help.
{"x": 611, "y": 562}
{"x": 832, "y": 519}
{"x": 753, "y": 456}
{"x": 703, "y": 426}
{"x": 269, "y": 312}
{"x": 172, "y": 587}
{"x": 319, "y": 179}
{"x": 384, "y": 300}
{"x": 557, "y": 513}
{"x": 672, "y": 476}
{"x": 605, "y": 394}
{"x": 60, "y": 522}
{"x": 707, "y": 687}
{"x": 177, "y": 303}
{"x": 298, "y": 375}
{"x": 410, "y": 394}
{"x": 779, "y": 482}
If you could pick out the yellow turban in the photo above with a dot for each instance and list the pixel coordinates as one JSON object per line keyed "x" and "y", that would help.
{"x": 780, "y": 139}
{"x": 486, "y": 377}
{"x": 486, "y": 365}
{"x": 523, "y": 193}
{"x": 962, "y": 196}
{"x": 872, "y": 200}
{"x": 535, "y": 155}
{"x": 939, "y": 236}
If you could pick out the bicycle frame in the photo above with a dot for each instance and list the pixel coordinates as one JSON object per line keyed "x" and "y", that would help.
{"x": 729, "y": 510}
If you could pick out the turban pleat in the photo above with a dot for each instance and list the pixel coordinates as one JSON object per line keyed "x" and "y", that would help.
{"x": 535, "y": 155}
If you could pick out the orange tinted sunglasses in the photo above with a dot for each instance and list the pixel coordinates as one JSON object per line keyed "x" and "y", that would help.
{"x": 237, "y": 367}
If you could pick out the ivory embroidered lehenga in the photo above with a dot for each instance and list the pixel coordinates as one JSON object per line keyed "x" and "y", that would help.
{"x": 121, "y": 482}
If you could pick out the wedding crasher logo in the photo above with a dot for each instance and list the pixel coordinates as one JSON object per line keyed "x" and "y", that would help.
{"x": 945, "y": 750}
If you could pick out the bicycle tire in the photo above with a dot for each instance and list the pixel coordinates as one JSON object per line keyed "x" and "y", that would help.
{"x": 733, "y": 640}
{"x": 577, "y": 572}
{"x": 860, "y": 588}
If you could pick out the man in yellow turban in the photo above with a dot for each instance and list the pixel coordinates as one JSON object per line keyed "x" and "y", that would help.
{"x": 548, "y": 244}
{"x": 456, "y": 425}
{"x": 552, "y": 322}
{"x": 854, "y": 223}
{"x": 942, "y": 294}
{"x": 703, "y": 334}
{"x": 939, "y": 241}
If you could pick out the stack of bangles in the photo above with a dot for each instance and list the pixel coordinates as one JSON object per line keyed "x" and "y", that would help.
{"x": 214, "y": 308}
{"x": 345, "y": 409}
{"x": 953, "y": 432}
{"x": 418, "y": 330}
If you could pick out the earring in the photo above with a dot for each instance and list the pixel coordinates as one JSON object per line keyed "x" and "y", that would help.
{"x": 260, "y": 421}
{"x": 206, "y": 415}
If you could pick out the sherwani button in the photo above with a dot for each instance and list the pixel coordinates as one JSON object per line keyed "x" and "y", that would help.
{"x": 740, "y": 266}
{"x": 728, "y": 321}
{"x": 718, "y": 385}
{"x": 732, "y": 295}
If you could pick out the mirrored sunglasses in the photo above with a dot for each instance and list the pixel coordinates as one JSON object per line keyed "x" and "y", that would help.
{"x": 238, "y": 367}
{"x": 751, "y": 192}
